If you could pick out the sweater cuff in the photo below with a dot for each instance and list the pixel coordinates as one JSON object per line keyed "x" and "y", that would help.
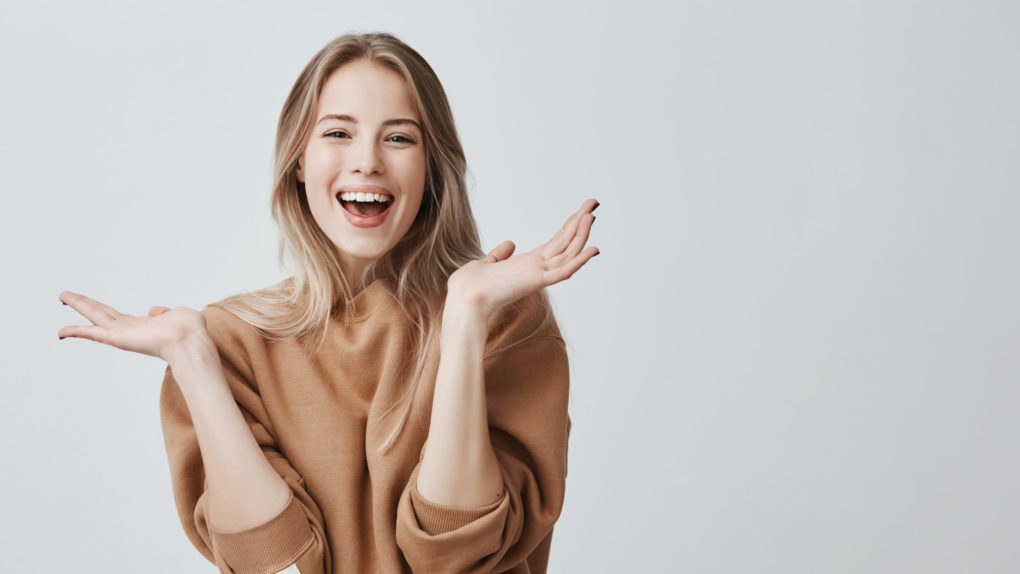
{"x": 270, "y": 546}
{"x": 438, "y": 518}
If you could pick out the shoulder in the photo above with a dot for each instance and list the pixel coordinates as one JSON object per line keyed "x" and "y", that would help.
{"x": 528, "y": 318}
{"x": 525, "y": 350}
{"x": 236, "y": 340}
{"x": 224, "y": 326}
{"x": 232, "y": 319}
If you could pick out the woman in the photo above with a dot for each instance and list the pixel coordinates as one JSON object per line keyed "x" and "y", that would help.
{"x": 400, "y": 402}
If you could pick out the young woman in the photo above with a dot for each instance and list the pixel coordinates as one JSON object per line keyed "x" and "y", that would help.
{"x": 400, "y": 402}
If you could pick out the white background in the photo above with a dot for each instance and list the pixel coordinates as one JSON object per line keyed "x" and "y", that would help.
{"x": 796, "y": 353}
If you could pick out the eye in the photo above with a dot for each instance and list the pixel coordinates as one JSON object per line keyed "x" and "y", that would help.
{"x": 342, "y": 134}
{"x": 401, "y": 139}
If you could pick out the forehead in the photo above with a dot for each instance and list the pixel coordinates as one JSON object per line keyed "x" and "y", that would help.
{"x": 367, "y": 91}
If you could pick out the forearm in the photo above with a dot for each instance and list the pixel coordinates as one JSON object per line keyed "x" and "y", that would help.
{"x": 459, "y": 466}
{"x": 243, "y": 488}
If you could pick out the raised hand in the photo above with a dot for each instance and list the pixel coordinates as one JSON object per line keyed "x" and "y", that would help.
{"x": 160, "y": 334}
{"x": 501, "y": 277}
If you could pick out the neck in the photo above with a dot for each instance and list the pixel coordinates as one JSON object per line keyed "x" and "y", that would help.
{"x": 354, "y": 270}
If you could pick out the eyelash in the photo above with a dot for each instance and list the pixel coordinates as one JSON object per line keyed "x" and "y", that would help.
{"x": 409, "y": 140}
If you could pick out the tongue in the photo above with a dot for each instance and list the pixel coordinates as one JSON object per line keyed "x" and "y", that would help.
{"x": 373, "y": 208}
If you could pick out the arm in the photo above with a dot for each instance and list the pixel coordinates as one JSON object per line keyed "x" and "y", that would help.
{"x": 490, "y": 482}
{"x": 461, "y": 468}
{"x": 244, "y": 490}
{"x": 526, "y": 394}
{"x": 226, "y": 467}
{"x": 215, "y": 427}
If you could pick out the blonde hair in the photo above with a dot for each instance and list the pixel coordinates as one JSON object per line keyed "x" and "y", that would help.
{"x": 443, "y": 237}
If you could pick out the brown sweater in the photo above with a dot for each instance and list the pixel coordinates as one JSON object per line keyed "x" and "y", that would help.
{"x": 320, "y": 418}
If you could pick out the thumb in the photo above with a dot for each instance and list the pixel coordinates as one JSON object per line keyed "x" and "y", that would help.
{"x": 501, "y": 251}
{"x": 157, "y": 310}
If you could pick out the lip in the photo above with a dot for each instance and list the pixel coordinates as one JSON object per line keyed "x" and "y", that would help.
{"x": 365, "y": 220}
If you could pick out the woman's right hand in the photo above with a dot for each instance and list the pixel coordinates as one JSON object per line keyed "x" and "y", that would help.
{"x": 164, "y": 333}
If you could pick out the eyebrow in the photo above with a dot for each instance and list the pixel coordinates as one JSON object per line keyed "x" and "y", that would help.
{"x": 347, "y": 118}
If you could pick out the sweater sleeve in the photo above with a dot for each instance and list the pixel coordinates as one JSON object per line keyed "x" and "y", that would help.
{"x": 295, "y": 537}
{"x": 527, "y": 386}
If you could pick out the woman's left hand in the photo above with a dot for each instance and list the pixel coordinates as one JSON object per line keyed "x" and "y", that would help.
{"x": 501, "y": 277}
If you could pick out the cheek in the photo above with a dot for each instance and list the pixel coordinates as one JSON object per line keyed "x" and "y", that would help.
{"x": 319, "y": 162}
{"x": 413, "y": 174}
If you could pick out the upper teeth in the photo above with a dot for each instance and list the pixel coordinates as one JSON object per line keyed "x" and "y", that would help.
{"x": 359, "y": 196}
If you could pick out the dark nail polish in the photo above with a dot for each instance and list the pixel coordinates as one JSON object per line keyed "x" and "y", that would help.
{"x": 597, "y": 204}
{"x": 597, "y": 253}
{"x": 63, "y": 303}
{"x": 62, "y": 338}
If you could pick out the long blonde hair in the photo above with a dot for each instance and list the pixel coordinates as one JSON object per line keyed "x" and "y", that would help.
{"x": 443, "y": 237}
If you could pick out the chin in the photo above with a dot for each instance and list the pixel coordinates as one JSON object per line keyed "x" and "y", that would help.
{"x": 360, "y": 252}
{"x": 364, "y": 248}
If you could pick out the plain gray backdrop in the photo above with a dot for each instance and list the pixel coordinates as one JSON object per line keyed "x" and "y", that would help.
{"x": 797, "y": 352}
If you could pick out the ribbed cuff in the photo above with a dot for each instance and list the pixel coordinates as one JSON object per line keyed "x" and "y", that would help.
{"x": 270, "y": 546}
{"x": 438, "y": 518}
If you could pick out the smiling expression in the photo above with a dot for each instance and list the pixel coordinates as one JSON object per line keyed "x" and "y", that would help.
{"x": 367, "y": 138}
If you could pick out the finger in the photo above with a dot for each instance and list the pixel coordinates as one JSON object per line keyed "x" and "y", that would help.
{"x": 501, "y": 251}
{"x": 563, "y": 238}
{"x": 559, "y": 242}
{"x": 157, "y": 310}
{"x": 92, "y": 333}
{"x": 563, "y": 235}
{"x": 91, "y": 309}
{"x": 565, "y": 271}
{"x": 576, "y": 244}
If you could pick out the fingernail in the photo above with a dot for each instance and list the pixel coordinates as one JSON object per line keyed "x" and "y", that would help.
{"x": 63, "y": 303}
{"x": 62, "y": 338}
{"x": 597, "y": 204}
{"x": 597, "y": 253}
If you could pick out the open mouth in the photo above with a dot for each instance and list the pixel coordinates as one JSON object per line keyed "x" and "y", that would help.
{"x": 364, "y": 204}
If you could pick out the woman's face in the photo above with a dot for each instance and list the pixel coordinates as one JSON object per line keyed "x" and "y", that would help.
{"x": 367, "y": 139}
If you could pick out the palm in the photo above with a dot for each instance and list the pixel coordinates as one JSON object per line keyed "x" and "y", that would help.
{"x": 501, "y": 277}
{"x": 154, "y": 335}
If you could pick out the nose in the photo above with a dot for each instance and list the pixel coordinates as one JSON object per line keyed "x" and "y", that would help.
{"x": 367, "y": 160}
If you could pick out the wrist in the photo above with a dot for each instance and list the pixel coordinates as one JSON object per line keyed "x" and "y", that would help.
{"x": 463, "y": 320}
{"x": 463, "y": 310}
{"x": 195, "y": 348}
{"x": 464, "y": 304}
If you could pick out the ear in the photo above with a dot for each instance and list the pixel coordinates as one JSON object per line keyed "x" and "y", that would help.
{"x": 301, "y": 169}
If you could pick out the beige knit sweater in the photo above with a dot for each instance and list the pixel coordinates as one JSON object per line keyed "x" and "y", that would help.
{"x": 320, "y": 418}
